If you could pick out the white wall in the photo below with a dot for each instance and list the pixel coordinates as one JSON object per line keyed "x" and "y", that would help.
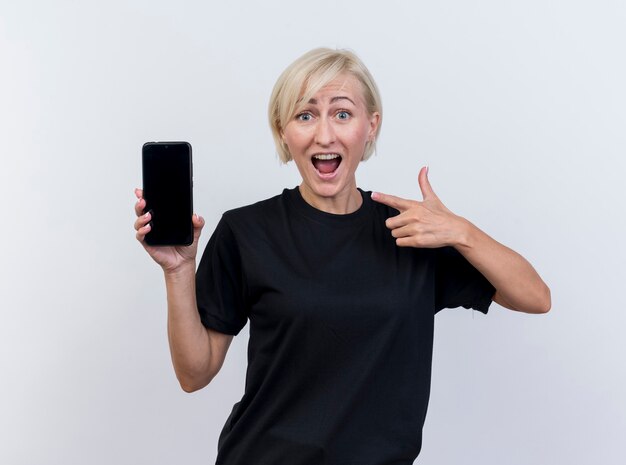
{"x": 518, "y": 108}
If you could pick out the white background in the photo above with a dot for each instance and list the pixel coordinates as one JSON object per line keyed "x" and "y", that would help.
{"x": 517, "y": 106}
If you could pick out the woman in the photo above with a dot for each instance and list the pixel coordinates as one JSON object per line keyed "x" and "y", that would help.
{"x": 340, "y": 285}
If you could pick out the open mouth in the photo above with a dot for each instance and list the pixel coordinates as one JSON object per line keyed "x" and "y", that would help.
{"x": 326, "y": 163}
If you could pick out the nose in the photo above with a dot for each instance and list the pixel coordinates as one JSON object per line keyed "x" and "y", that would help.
{"x": 324, "y": 132}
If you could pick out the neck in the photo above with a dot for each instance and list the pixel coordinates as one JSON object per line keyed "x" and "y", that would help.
{"x": 343, "y": 203}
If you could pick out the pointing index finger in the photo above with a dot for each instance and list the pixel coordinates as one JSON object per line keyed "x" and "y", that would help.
{"x": 398, "y": 203}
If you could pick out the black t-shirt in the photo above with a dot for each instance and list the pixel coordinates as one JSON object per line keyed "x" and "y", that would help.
{"x": 341, "y": 330}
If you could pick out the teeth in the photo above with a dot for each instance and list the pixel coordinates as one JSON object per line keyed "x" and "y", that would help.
{"x": 326, "y": 156}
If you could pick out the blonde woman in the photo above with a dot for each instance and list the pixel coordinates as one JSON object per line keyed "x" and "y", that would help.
{"x": 340, "y": 285}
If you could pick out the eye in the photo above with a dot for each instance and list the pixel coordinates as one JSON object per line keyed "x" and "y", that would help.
{"x": 343, "y": 114}
{"x": 304, "y": 117}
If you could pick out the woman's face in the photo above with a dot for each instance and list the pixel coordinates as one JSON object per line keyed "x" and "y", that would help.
{"x": 327, "y": 140}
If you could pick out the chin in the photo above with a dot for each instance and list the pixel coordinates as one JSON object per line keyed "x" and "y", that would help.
{"x": 327, "y": 190}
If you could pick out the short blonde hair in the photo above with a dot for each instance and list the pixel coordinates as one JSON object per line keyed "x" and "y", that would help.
{"x": 305, "y": 77}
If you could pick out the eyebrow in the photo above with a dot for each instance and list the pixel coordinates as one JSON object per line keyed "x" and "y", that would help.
{"x": 333, "y": 100}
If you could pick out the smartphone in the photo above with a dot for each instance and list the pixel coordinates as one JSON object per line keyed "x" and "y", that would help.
{"x": 168, "y": 191}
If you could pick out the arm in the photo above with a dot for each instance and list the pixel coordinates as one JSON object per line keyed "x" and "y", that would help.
{"x": 430, "y": 224}
{"x": 197, "y": 352}
{"x": 518, "y": 286}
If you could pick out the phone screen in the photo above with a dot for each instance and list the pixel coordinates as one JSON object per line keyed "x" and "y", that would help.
{"x": 167, "y": 189}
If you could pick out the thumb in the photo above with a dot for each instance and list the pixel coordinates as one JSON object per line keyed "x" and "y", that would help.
{"x": 198, "y": 224}
{"x": 425, "y": 187}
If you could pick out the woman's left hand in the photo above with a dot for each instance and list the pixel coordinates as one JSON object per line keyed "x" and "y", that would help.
{"x": 428, "y": 223}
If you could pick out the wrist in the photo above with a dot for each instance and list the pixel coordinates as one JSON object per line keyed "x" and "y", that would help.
{"x": 464, "y": 237}
{"x": 180, "y": 272}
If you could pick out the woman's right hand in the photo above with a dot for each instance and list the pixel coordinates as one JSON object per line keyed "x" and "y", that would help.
{"x": 170, "y": 258}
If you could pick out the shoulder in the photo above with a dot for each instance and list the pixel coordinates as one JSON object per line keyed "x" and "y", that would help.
{"x": 379, "y": 210}
{"x": 257, "y": 213}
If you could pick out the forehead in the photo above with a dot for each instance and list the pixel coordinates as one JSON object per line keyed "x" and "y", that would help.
{"x": 343, "y": 85}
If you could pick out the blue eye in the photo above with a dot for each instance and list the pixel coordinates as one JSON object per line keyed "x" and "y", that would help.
{"x": 343, "y": 115}
{"x": 304, "y": 117}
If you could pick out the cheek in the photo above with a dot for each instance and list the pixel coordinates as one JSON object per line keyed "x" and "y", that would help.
{"x": 295, "y": 140}
{"x": 357, "y": 138}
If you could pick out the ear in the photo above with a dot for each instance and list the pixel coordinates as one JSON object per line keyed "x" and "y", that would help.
{"x": 374, "y": 123}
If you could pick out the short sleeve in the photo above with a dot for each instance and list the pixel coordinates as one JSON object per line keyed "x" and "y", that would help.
{"x": 458, "y": 283}
{"x": 220, "y": 283}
